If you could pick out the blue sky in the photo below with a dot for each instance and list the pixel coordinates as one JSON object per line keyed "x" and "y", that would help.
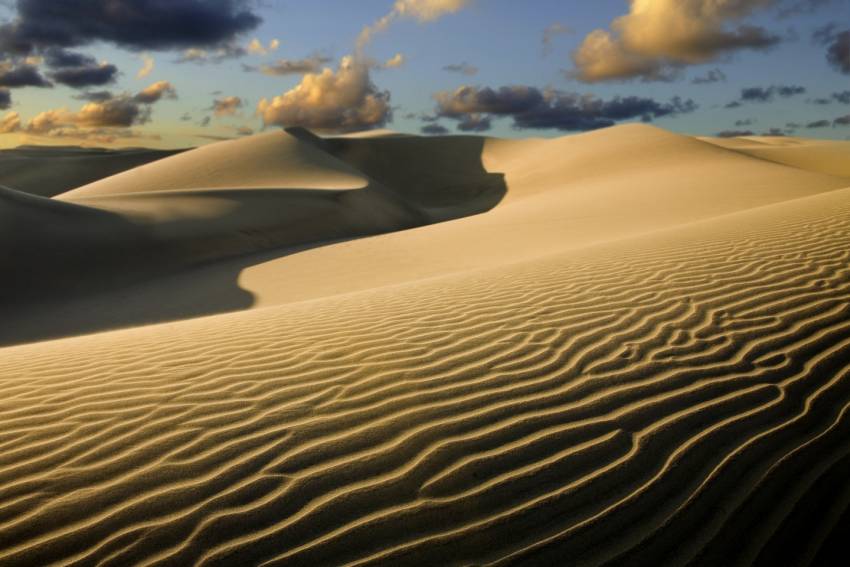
{"x": 502, "y": 39}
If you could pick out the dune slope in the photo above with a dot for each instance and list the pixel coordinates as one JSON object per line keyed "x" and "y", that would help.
{"x": 647, "y": 364}
{"x": 630, "y": 403}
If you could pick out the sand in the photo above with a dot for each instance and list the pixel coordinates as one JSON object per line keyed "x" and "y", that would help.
{"x": 623, "y": 347}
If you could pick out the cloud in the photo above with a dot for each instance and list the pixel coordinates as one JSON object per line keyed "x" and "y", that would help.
{"x": 255, "y": 47}
{"x": 86, "y": 76}
{"x": 341, "y": 100}
{"x": 155, "y": 92}
{"x": 657, "y": 37}
{"x": 5, "y": 99}
{"x": 551, "y": 33}
{"x": 819, "y": 124}
{"x": 463, "y": 68}
{"x": 10, "y": 123}
{"x": 94, "y": 96}
{"x": 843, "y": 97}
{"x": 745, "y": 122}
{"x": 420, "y": 10}
{"x": 147, "y": 66}
{"x": 837, "y": 44}
{"x": 132, "y": 24}
{"x": 530, "y": 107}
{"x": 394, "y": 62}
{"x": 734, "y": 133}
{"x": 203, "y": 56}
{"x": 434, "y": 130}
{"x": 765, "y": 94}
{"x": 842, "y": 121}
{"x": 226, "y": 106}
{"x": 57, "y": 58}
{"x": 104, "y": 119}
{"x": 283, "y": 67}
{"x": 712, "y": 76}
{"x": 474, "y": 123}
{"x": 205, "y": 121}
{"x": 22, "y": 76}
{"x": 774, "y": 132}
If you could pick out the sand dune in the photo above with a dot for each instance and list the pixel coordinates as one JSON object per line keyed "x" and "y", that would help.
{"x": 639, "y": 354}
{"x": 48, "y": 171}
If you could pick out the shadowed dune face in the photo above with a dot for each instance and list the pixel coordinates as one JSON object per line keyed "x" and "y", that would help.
{"x": 49, "y": 171}
{"x": 223, "y": 201}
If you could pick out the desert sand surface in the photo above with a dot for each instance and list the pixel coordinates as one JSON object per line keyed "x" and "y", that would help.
{"x": 625, "y": 347}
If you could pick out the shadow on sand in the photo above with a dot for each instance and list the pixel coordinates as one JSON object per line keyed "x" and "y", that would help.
{"x": 73, "y": 270}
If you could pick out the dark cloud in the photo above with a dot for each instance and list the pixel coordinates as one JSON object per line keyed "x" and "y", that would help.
{"x": 842, "y": 121}
{"x": 5, "y": 99}
{"x": 843, "y": 97}
{"x": 434, "y": 130}
{"x": 530, "y": 107}
{"x": 132, "y": 24}
{"x": 463, "y": 68}
{"x": 734, "y": 133}
{"x": 778, "y": 132}
{"x": 205, "y": 121}
{"x": 87, "y": 76}
{"x": 94, "y": 96}
{"x": 766, "y": 94}
{"x": 57, "y": 57}
{"x": 820, "y": 101}
{"x": 819, "y": 124}
{"x": 744, "y": 122}
{"x": 283, "y": 67}
{"x": 474, "y": 123}
{"x": 22, "y": 76}
{"x": 837, "y": 44}
{"x": 712, "y": 76}
{"x": 226, "y": 106}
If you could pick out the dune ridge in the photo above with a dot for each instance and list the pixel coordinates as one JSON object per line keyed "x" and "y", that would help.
{"x": 677, "y": 396}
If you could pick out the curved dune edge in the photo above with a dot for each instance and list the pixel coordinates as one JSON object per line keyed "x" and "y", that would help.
{"x": 677, "y": 398}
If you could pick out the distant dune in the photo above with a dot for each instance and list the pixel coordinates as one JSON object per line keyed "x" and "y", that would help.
{"x": 626, "y": 347}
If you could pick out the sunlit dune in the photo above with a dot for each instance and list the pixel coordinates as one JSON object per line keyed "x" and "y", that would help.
{"x": 624, "y": 347}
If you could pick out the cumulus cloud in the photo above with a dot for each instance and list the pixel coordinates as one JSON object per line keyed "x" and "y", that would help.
{"x": 105, "y": 119}
{"x": 463, "y": 68}
{"x": 21, "y": 76}
{"x": 10, "y": 123}
{"x": 132, "y": 24}
{"x": 434, "y": 130}
{"x": 5, "y": 99}
{"x": 419, "y": 10}
{"x": 551, "y": 33}
{"x": 657, "y": 37}
{"x": 256, "y": 47}
{"x": 226, "y": 106}
{"x": 341, "y": 100}
{"x": 281, "y": 67}
{"x": 711, "y": 76}
{"x": 148, "y": 64}
{"x": 155, "y": 92}
{"x": 530, "y": 107}
{"x": 394, "y": 62}
{"x": 837, "y": 44}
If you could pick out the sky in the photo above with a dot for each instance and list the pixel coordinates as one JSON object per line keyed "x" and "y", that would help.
{"x": 181, "y": 73}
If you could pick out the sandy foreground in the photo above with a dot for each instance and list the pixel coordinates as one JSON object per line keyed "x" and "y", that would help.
{"x": 626, "y": 347}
